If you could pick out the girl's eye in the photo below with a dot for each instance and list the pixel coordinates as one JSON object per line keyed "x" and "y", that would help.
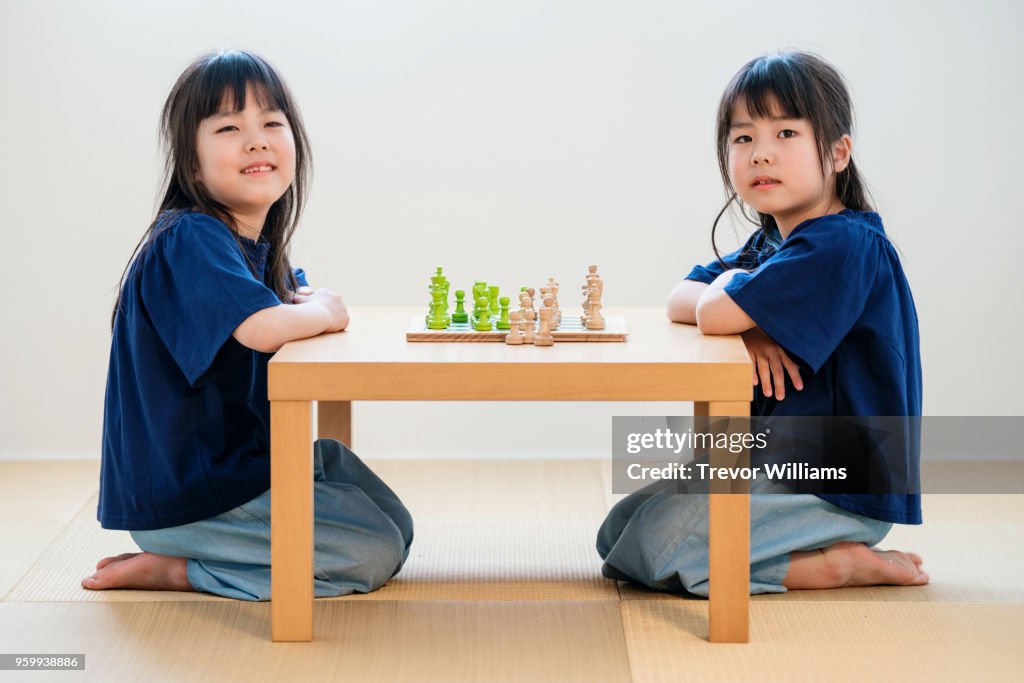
{"x": 741, "y": 139}
{"x": 221, "y": 130}
{"x": 274, "y": 123}
{"x": 787, "y": 133}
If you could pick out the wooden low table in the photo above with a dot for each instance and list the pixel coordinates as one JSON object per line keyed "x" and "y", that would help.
{"x": 372, "y": 361}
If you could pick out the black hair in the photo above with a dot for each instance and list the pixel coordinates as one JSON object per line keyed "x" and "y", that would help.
{"x": 209, "y": 82}
{"x": 802, "y": 86}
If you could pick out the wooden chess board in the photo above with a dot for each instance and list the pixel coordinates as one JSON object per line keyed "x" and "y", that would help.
{"x": 570, "y": 330}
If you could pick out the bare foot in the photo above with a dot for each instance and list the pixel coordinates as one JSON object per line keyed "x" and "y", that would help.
{"x": 853, "y": 564}
{"x": 145, "y": 571}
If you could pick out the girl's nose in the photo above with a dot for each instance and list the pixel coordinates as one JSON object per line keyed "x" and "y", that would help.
{"x": 758, "y": 158}
{"x": 257, "y": 144}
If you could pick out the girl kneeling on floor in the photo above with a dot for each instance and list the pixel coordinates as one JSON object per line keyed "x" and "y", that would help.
{"x": 207, "y": 297}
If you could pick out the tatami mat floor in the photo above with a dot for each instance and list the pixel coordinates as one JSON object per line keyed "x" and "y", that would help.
{"x": 503, "y": 584}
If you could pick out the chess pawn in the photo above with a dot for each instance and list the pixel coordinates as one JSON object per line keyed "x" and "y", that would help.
{"x": 524, "y": 301}
{"x": 544, "y": 296}
{"x": 482, "y": 316}
{"x": 460, "y": 315}
{"x": 529, "y": 325}
{"x": 515, "y": 335}
{"x": 479, "y": 290}
{"x": 503, "y": 323}
{"x": 533, "y": 298}
{"x": 547, "y": 320}
{"x": 478, "y": 311}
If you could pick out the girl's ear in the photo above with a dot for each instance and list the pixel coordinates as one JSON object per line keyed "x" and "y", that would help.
{"x": 842, "y": 153}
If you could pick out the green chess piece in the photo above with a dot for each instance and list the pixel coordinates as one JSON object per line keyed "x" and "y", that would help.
{"x": 439, "y": 318}
{"x": 439, "y": 278}
{"x": 503, "y": 322}
{"x": 460, "y": 315}
{"x": 437, "y": 281}
{"x": 492, "y": 299}
{"x": 479, "y": 290}
{"x": 482, "y": 319}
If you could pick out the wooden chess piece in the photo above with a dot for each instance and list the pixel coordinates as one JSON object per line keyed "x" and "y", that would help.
{"x": 595, "y": 289}
{"x": 553, "y": 288}
{"x": 515, "y": 335}
{"x": 547, "y": 320}
{"x": 529, "y": 326}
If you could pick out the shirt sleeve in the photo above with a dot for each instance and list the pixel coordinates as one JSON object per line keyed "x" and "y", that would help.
{"x": 197, "y": 288}
{"x": 809, "y": 294}
{"x": 746, "y": 257}
{"x": 300, "y": 277}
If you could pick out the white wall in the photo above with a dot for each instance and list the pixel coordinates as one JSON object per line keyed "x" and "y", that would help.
{"x": 441, "y": 125}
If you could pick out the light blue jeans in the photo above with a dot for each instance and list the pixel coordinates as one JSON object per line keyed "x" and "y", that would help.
{"x": 659, "y": 537}
{"x": 362, "y": 534}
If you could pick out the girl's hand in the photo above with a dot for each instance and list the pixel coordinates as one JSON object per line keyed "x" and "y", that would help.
{"x": 302, "y": 291}
{"x": 330, "y": 301}
{"x": 771, "y": 363}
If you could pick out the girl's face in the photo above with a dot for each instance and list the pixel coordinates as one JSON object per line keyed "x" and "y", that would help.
{"x": 774, "y": 167}
{"x": 246, "y": 160}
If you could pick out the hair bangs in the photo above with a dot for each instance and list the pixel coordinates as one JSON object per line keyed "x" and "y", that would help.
{"x": 229, "y": 76}
{"x": 769, "y": 87}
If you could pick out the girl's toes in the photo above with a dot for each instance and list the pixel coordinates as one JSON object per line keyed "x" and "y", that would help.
{"x": 93, "y": 582}
{"x": 916, "y": 559}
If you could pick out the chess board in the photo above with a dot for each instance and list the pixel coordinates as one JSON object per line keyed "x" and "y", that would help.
{"x": 570, "y": 330}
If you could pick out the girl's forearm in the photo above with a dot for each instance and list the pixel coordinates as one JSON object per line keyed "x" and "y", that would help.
{"x": 682, "y": 302}
{"x": 271, "y": 328}
{"x": 717, "y": 313}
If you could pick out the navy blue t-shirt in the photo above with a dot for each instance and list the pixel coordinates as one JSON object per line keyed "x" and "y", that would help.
{"x": 186, "y": 418}
{"x": 834, "y": 296}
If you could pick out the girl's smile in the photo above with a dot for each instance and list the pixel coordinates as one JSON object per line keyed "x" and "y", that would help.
{"x": 260, "y": 168}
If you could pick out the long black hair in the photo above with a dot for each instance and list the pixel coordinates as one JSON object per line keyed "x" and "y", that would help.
{"x": 803, "y": 86}
{"x": 199, "y": 93}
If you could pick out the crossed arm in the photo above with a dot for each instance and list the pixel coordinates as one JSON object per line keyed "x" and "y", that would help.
{"x": 309, "y": 314}
{"x": 714, "y": 312}
{"x": 708, "y": 306}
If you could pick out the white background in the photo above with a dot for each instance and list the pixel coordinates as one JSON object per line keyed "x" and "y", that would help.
{"x": 507, "y": 141}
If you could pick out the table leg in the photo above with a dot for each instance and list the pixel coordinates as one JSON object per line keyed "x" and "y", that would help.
{"x": 729, "y": 548}
{"x": 334, "y": 421}
{"x": 291, "y": 520}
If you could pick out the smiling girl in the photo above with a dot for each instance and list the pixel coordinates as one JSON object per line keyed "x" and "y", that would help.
{"x": 205, "y": 299}
{"x": 826, "y": 313}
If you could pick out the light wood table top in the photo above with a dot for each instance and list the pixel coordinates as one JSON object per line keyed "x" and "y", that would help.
{"x": 660, "y": 361}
